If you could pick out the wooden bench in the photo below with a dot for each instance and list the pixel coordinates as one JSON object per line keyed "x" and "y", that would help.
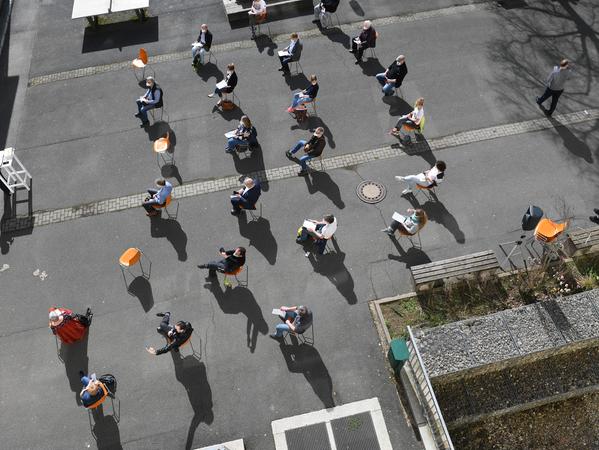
{"x": 582, "y": 241}
{"x": 435, "y": 273}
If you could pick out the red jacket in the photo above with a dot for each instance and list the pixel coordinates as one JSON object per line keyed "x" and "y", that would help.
{"x": 70, "y": 330}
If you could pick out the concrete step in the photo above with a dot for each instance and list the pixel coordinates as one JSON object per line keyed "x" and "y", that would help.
{"x": 237, "y": 10}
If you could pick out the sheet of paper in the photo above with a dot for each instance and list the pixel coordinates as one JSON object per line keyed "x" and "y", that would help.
{"x": 398, "y": 217}
{"x": 283, "y": 53}
{"x": 311, "y": 226}
{"x": 230, "y": 134}
{"x": 221, "y": 84}
{"x": 278, "y": 312}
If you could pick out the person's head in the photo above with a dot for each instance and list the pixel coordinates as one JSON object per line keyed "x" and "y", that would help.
{"x": 248, "y": 182}
{"x": 419, "y": 103}
{"x": 230, "y": 68}
{"x": 313, "y": 79}
{"x": 294, "y": 37}
{"x": 204, "y": 28}
{"x": 160, "y": 182}
{"x": 564, "y": 63}
{"x": 302, "y": 310}
{"x": 319, "y": 132}
{"x": 441, "y": 166}
{"x": 55, "y": 316}
{"x": 240, "y": 251}
{"x": 329, "y": 218}
{"x": 400, "y": 59}
{"x": 150, "y": 81}
{"x": 366, "y": 25}
{"x": 419, "y": 217}
{"x": 245, "y": 120}
{"x": 181, "y": 327}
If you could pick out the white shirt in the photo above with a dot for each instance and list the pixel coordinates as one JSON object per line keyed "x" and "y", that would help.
{"x": 417, "y": 114}
{"x": 410, "y": 226}
{"x": 432, "y": 175}
{"x": 329, "y": 229}
{"x": 258, "y": 7}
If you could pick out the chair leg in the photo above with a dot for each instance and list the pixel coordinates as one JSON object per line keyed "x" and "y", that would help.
{"x": 244, "y": 283}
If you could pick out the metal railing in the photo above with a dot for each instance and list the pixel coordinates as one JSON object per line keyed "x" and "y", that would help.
{"x": 424, "y": 391}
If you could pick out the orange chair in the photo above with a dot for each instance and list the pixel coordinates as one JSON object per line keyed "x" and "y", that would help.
{"x": 242, "y": 283}
{"x": 140, "y": 63}
{"x": 411, "y": 237}
{"x": 129, "y": 258}
{"x": 428, "y": 191}
{"x": 100, "y": 400}
{"x": 548, "y": 231}
{"x": 165, "y": 207}
{"x": 161, "y": 148}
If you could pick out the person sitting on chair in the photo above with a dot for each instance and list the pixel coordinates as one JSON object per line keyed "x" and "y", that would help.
{"x": 297, "y": 319}
{"x": 312, "y": 149}
{"x": 427, "y": 179}
{"x": 294, "y": 50}
{"x": 366, "y": 39}
{"x": 157, "y": 197}
{"x": 305, "y": 96}
{"x": 150, "y": 100}
{"x": 67, "y": 326}
{"x": 256, "y": 14}
{"x": 319, "y": 230}
{"x": 246, "y": 197}
{"x": 175, "y": 335}
{"x": 231, "y": 79}
{"x": 201, "y": 46}
{"x": 407, "y": 225}
{"x": 231, "y": 261}
{"x": 92, "y": 389}
{"x": 412, "y": 119}
{"x": 392, "y": 78}
{"x": 245, "y": 134}
{"x": 324, "y": 10}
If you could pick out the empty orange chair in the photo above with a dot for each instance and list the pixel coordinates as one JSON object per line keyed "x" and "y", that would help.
{"x": 129, "y": 258}
{"x": 161, "y": 148}
{"x": 140, "y": 63}
{"x": 548, "y": 231}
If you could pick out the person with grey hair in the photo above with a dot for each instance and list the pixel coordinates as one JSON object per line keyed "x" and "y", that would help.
{"x": 201, "y": 46}
{"x": 157, "y": 197}
{"x": 392, "y": 78}
{"x": 323, "y": 12}
{"x": 366, "y": 39}
{"x": 312, "y": 149}
{"x": 150, "y": 100}
{"x": 554, "y": 86}
{"x": 296, "y": 319}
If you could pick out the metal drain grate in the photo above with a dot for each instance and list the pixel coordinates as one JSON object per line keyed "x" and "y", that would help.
{"x": 371, "y": 191}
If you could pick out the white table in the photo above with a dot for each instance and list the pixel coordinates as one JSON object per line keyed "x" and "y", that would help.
{"x": 90, "y": 9}
{"x": 130, "y": 5}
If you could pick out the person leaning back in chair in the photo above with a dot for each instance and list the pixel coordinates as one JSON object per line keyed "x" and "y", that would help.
{"x": 297, "y": 320}
{"x": 231, "y": 261}
{"x": 407, "y": 225}
{"x": 175, "y": 335}
{"x": 412, "y": 119}
{"x": 150, "y": 100}
{"x": 427, "y": 179}
{"x": 157, "y": 197}
{"x": 201, "y": 46}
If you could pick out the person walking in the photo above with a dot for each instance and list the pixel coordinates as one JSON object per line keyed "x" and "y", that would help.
{"x": 230, "y": 262}
{"x": 153, "y": 98}
{"x": 312, "y": 149}
{"x": 246, "y": 197}
{"x": 407, "y": 225}
{"x": 554, "y": 86}
{"x": 157, "y": 197}
{"x": 68, "y": 326}
{"x": 323, "y": 12}
{"x": 366, "y": 39}
{"x": 175, "y": 335}
{"x": 297, "y": 319}
{"x": 292, "y": 52}
{"x": 201, "y": 46}
{"x": 392, "y": 78}
{"x": 428, "y": 178}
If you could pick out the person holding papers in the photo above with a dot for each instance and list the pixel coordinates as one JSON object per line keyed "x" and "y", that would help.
{"x": 407, "y": 225}
{"x": 201, "y": 46}
{"x": 297, "y": 319}
{"x": 305, "y": 96}
{"x": 256, "y": 15}
{"x": 319, "y": 230}
{"x": 366, "y": 39}
{"x": 312, "y": 149}
{"x": 227, "y": 85}
{"x": 246, "y": 197}
{"x": 292, "y": 52}
{"x": 244, "y": 134}
{"x": 323, "y": 11}
{"x": 151, "y": 99}
{"x": 157, "y": 197}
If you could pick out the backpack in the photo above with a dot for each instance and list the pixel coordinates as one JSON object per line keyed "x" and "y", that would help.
{"x": 109, "y": 381}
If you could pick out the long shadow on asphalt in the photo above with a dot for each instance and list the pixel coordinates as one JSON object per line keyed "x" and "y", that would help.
{"x": 260, "y": 236}
{"x": 397, "y": 105}
{"x": 371, "y": 66}
{"x": 75, "y": 359}
{"x": 141, "y": 288}
{"x": 264, "y": 42}
{"x": 241, "y": 300}
{"x": 331, "y": 266}
{"x": 251, "y": 161}
{"x": 437, "y": 212}
{"x": 306, "y": 360}
{"x": 172, "y": 231}
{"x": 119, "y": 35}
{"x": 210, "y": 70}
{"x": 314, "y": 122}
{"x": 318, "y": 181}
{"x": 191, "y": 373}
{"x": 420, "y": 148}
{"x": 106, "y": 431}
{"x": 574, "y": 145}
{"x": 336, "y": 35}
{"x": 296, "y": 81}
{"x": 411, "y": 257}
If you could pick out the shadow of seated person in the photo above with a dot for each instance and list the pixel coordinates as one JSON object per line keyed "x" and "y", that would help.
{"x": 106, "y": 431}
{"x": 172, "y": 231}
{"x": 260, "y": 236}
{"x": 318, "y": 181}
{"x": 141, "y": 288}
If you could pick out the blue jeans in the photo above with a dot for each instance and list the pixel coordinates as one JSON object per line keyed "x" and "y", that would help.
{"x": 304, "y": 159}
{"x": 226, "y": 90}
{"x": 299, "y": 101}
{"x": 283, "y": 327}
{"x": 388, "y": 88}
{"x": 143, "y": 108}
{"x": 234, "y": 142}
{"x": 88, "y": 399}
{"x": 285, "y": 60}
{"x": 554, "y": 98}
{"x": 195, "y": 51}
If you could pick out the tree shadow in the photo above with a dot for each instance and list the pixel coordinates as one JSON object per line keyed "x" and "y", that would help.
{"x": 264, "y": 42}
{"x": 331, "y": 266}
{"x": 574, "y": 145}
{"x": 75, "y": 359}
{"x": 191, "y": 373}
{"x": 106, "y": 430}
{"x": 209, "y": 70}
{"x": 259, "y": 234}
{"x": 172, "y": 231}
{"x": 241, "y": 300}
{"x": 412, "y": 257}
{"x": 437, "y": 212}
{"x": 306, "y": 360}
{"x": 318, "y": 181}
{"x": 296, "y": 82}
{"x": 371, "y": 66}
{"x": 141, "y": 288}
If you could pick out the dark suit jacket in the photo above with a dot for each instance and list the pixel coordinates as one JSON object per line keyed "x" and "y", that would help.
{"x": 208, "y": 40}
{"x": 368, "y": 38}
{"x": 296, "y": 53}
{"x": 250, "y": 197}
{"x": 232, "y": 81}
{"x": 330, "y": 5}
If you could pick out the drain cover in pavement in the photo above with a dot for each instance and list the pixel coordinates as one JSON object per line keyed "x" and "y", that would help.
{"x": 371, "y": 191}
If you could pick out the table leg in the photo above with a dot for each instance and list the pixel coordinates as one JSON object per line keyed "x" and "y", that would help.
{"x": 141, "y": 14}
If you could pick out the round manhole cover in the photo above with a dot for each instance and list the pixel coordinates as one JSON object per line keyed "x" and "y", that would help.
{"x": 371, "y": 191}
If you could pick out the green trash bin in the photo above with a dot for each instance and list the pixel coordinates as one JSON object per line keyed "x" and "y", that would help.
{"x": 398, "y": 353}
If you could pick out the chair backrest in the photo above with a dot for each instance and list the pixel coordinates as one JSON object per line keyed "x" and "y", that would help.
{"x": 422, "y": 122}
{"x": 143, "y": 55}
{"x": 130, "y": 257}
{"x": 548, "y": 230}
{"x": 261, "y": 18}
{"x": 235, "y": 272}
{"x": 100, "y": 400}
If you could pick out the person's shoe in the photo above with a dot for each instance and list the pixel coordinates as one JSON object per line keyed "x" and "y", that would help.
{"x": 398, "y": 178}
{"x": 235, "y": 212}
{"x": 351, "y": 51}
{"x": 538, "y": 100}
{"x": 144, "y": 124}
{"x": 290, "y": 109}
{"x": 288, "y": 154}
{"x": 88, "y": 312}
{"x": 81, "y": 373}
{"x": 307, "y": 254}
{"x": 159, "y": 330}
{"x": 275, "y": 337}
{"x": 316, "y": 21}
{"x": 152, "y": 214}
{"x": 219, "y": 103}
{"x": 596, "y": 211}
{"x": 161, "y": 314}
{"x": 594, "y": 219}
{"x": 211, "y": 95}
{"x": 358, "y": 61}
{"x": 547, "y": 113}
{"x": 138, "y": 115}
{"x": 202, "y": 266}
{"x": 388, "y": 231}
{"x": 281, "y": 69}
{"x": 302, "y": 173}
{"x": 406, "y": 191}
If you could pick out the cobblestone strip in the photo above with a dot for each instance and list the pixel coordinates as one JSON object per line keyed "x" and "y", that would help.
{"x": 196, "y": 188}
{"x": 347, "y": 28}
